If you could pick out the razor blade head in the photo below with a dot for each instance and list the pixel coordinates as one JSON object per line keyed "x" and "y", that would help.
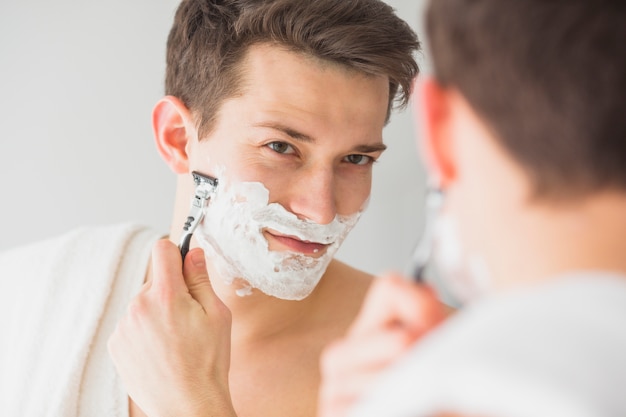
{"x": 199, "y": 178}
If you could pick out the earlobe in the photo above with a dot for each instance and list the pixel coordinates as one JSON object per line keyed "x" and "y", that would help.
{"x": 437, "y": 142}
{"x": 172, "y": 131}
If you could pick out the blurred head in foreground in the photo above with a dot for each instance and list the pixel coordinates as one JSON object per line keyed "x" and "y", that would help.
{"x": 525, "y": 133}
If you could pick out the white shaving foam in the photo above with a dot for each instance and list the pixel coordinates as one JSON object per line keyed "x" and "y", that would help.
{"x": 463, "y": 275}
{"x": 231, "y": 235}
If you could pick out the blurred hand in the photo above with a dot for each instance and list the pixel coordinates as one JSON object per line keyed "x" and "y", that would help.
{"x": 394, "y": 315}
{"x": 172, "y": 348}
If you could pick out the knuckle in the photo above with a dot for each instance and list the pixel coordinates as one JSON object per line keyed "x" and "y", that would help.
{"x": 137, "y": 307}
{"x": 140, "y": 310}
{"x": 164, "y": 295}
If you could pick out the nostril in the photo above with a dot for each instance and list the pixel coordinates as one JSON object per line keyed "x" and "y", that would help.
{"x": 313, "y": 196}
{"x": 315, "y": 212}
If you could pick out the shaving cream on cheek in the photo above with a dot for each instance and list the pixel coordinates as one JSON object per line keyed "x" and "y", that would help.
{"x": 232, "y": 237}
{"x": 462, "y": 274}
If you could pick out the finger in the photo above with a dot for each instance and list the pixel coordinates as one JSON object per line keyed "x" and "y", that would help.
{"x": 350, "y": 366}
{"x": 363, "y": 353}
{"x": 346, "y": 377}
{"x": 337, "y": 397}
{"x": 167, "y": 274}
{"x": 393, "y": 301}
{"x": 197, "y": 279}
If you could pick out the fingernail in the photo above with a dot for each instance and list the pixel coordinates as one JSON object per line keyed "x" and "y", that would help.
{"x": 197, "y": 257}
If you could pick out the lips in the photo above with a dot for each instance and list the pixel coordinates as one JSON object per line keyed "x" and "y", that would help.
{"x": 291, "y": 243}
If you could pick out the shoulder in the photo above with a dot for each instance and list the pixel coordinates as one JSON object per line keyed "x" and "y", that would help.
{"x": 83, "y": 235}
{"x": 87, "y": 243}
{"x": 556, "y": 346}
{"x": 580, "y": 315}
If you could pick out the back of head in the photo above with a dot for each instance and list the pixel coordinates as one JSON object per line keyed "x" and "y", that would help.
{"x": 548, "y": 77}
{"x": 209, "y": 39}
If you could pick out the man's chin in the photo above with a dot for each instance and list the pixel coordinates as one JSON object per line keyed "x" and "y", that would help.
{"x": 242, "y": 287}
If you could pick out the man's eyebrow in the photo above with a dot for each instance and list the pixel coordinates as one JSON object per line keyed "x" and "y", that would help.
{"x": 379, "y": 147}
{"x": 286, "y": 130}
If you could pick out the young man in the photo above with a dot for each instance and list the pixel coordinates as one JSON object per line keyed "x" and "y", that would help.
{"x": 525, "y": 134}
{"x": 284, "y": 102}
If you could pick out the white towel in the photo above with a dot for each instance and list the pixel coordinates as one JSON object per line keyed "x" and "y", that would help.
{"x": 59, "y": 301}
{"x": 553, "y": 350}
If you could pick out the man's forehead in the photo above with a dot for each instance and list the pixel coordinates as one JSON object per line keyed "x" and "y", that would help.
{"x": 278, "y": 55}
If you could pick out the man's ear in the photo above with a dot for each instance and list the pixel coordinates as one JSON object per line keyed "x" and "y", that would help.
{"x": 173, "y": 129}
{"x": 433, "y": 112}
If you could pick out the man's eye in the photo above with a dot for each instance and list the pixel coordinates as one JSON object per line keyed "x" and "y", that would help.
{"x": 280, "y": 147}
{"x": 359, "y": 159}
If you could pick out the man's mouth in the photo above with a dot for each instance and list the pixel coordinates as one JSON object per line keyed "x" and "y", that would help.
{"x": 278, "y": 241}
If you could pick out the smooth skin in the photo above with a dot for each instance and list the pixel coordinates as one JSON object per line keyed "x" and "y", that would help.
{"x": 310, "y": 131}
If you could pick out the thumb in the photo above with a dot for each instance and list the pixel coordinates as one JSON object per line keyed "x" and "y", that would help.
{"x": 197, "y": 279}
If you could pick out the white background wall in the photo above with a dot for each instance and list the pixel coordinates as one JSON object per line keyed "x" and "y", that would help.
{"x": 78, "y": 80}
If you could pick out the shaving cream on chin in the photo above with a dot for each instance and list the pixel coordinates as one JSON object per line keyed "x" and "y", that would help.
{"x": 232, "y": 237}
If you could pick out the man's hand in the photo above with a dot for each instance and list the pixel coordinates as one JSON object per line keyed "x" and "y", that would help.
{"x": 172, "y": 349}
{"x": 394, "y": 315}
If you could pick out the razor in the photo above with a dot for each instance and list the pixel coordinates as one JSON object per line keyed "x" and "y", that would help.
{"x": 423, "y": 251}
{"x": 205, "y": 189}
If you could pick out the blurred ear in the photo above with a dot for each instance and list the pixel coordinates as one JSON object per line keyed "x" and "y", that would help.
{"x": 173, "y": 129}
{"x": 434, "y": 114}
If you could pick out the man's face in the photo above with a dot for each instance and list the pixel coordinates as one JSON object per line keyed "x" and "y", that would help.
{"x": 485, "y": 190}
{"x": 307, "y": 131}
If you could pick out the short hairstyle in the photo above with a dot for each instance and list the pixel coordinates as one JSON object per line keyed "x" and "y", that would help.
{"x": 548, "y": 78}
{"x": 209, "y": 39}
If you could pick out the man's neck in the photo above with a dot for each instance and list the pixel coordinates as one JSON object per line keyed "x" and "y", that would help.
{"x": 547, "y": 240}
{"x": 258, "y": 316}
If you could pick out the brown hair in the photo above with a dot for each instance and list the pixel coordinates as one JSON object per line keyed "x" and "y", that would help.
{"x": 549, "y": 79}
{"x": 210, "y": 37}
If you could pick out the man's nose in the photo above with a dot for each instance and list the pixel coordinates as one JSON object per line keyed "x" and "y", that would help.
{"x": 312, "y": 195}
